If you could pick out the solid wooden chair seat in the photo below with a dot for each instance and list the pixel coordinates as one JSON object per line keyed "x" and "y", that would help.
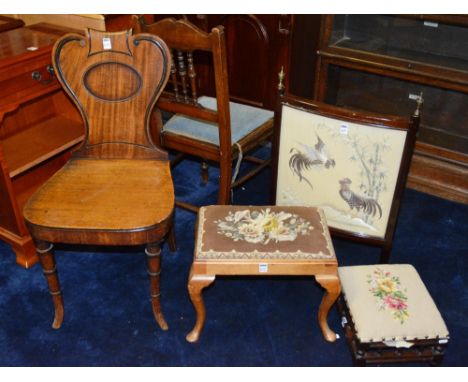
{"x": 95, "y": 194}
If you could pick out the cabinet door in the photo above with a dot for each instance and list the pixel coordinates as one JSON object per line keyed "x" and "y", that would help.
{"x": 257, "y": 47}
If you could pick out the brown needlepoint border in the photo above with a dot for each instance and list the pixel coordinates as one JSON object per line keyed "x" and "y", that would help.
{"x": 212, "y": 244}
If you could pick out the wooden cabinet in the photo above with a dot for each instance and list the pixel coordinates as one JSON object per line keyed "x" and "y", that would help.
{"x": 39, "y": 127}
{"x": 109, "y": 22}
{"x": 381, "y": 63}
{"x": 257, "y": 47}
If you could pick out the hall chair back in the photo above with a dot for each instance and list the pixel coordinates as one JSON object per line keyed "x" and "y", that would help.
{"x": 117, "y": 187}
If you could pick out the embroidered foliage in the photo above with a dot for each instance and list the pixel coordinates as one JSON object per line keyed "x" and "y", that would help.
{"x": 263, "y": 226}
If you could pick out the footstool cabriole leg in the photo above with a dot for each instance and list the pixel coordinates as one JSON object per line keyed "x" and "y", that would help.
{"x": 49, "y": 268}
{"x": 196, "y": 285}
{"x": 332, "y": 285}
{"x": 153, "y": 260}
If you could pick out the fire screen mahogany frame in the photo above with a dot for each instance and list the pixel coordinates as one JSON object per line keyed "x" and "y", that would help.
{"x": 352, "y": 164}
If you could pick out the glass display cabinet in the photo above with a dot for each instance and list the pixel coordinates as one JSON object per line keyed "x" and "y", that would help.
{"x": 382, "y": 63}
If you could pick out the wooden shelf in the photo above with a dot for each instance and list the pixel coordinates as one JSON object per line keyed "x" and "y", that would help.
{"x": 404, "y": 54}
{"x": 39, "y": 128}
{"x": 40, "y": 142}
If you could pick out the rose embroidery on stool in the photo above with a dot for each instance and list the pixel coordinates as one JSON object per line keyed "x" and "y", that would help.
{"x": 389, "y": 293}
{"x": 263, "y": 226}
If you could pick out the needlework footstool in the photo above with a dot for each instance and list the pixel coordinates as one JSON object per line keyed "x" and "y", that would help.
{"x": 262, "y": 241}
{"x": 389, "y": 316}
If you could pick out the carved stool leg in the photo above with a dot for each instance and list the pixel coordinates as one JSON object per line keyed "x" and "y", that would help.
{"x": 332, "y": 285}
{"x": 49, "y": 268}
{"x": 195, "y": 286}
{"x": 153, "y": 257}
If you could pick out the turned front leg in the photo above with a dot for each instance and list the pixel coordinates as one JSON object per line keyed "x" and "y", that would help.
{"x": 49, "y": 268}
{"x": 195, "y": 286}
{"x": 332, "y": 286}
{"x": 153, "y": 259}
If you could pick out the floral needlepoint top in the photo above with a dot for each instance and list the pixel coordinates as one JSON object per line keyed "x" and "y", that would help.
{"x": 389, "y": 293}
{"x": 263, "y": 226}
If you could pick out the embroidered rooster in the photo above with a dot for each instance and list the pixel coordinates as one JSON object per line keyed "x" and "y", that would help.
{"x": 368, "y": 205}
{"x": 313, "y": 157}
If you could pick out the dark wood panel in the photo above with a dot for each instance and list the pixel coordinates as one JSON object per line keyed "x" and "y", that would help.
{"x": 119, "y": 22}
{"x": 434, "y": 175}
{"x": 247, "y": 41}
{"x": 303, "y": 55}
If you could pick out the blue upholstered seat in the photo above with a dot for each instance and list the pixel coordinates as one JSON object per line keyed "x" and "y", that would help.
{"x": 244, "y": 120}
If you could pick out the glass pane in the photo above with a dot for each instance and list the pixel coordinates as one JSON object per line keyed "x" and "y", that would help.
{"x": 402, "y": 37}
{"x": 444, "y": 117}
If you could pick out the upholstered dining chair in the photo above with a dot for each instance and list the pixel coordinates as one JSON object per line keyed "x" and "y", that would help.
{"x": 117, "y": 187}
{"x": 212, "y": 128}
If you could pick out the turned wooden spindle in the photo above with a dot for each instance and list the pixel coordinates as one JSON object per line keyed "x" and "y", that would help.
{"x": 192, "y": 75}
{"x": 182, "y": 74}
{"x": 174, "y": 77}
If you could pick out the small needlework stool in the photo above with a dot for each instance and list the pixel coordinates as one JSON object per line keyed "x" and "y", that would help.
{"x": 389, "y": 316}
{"x": 255, "y": 240}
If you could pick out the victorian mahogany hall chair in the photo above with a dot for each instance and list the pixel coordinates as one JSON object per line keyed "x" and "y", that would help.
{"x": 211, "y": 128}
{"x": 117, "y": 188}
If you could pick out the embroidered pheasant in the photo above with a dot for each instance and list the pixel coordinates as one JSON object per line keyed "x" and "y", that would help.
{"x": 368, "y": 205}
{"x": 313, "y": 157}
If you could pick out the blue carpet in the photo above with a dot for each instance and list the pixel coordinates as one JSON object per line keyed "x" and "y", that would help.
{"x": 250, "y": 321}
